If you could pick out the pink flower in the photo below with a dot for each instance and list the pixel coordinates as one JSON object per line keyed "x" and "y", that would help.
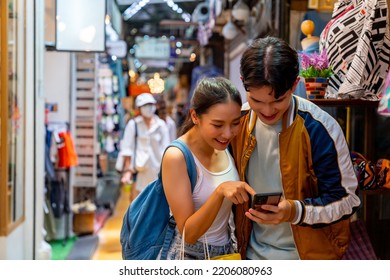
{"x": 305, "y": 60}
{"x": 315, "y": 65}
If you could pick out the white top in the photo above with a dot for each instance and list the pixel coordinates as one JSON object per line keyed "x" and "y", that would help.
{"x": 207, "y": 182}
{"x": 153, "y": 141}
{"x": 272, "y": 242}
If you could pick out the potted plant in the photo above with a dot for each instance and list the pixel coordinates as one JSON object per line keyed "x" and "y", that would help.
{"x": 315, "y": 70}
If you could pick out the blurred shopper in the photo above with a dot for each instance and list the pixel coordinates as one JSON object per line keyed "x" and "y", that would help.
{"x": 163, "y": 114}
{"x": 180, "y": 115}
{"x": 146, "y": 136}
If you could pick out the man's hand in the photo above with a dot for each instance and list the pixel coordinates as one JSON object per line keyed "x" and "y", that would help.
{"x": 271, "y": 214}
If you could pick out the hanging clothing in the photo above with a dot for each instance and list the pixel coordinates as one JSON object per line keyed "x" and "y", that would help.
{"x": 384, "y": 104}
{"x": 357, "y": 41}
{"x": 67, "y": 156}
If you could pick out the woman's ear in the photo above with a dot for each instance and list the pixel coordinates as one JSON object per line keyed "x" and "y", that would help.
{"x": 194, "y": 116}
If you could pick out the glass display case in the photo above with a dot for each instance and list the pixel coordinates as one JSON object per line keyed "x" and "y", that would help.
{"x": 12, "y": 132}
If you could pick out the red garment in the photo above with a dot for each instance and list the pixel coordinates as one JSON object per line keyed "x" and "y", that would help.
{"x": 67, "y": 156}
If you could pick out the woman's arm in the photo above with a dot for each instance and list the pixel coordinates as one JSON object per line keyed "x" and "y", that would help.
{"x": 177, "y": 188}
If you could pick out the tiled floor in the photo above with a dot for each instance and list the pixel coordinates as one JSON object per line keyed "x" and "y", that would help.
{"x": 109, "y": 247}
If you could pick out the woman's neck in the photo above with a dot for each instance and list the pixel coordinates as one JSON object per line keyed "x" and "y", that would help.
{"x": 197, "y": 144}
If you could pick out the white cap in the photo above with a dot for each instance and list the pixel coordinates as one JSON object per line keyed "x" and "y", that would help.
{"x": 143, "y": 99}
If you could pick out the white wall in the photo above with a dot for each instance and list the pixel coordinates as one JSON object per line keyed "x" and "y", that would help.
{"x": 56, "y": 70}
{"x": 57, "y": 84}
{"x": 234, "y": 69}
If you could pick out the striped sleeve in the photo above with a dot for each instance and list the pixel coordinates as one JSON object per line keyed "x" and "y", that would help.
{"x": 333, "y": 168}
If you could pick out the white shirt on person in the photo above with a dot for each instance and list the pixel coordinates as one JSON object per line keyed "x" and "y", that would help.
{"x": 207, "y": 181}
{"x": 272, "y": 242}
{"x": 153, "y": 140}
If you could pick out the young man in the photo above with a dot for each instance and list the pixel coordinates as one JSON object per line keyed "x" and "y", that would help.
{"x": 289, "y": 145}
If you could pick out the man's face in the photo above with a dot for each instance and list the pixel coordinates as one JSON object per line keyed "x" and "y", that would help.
{"x": 268, "y": 109}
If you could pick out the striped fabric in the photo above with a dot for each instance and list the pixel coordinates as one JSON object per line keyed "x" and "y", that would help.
{"x": 357, "y": 40}
{"x": 360, "y": 247}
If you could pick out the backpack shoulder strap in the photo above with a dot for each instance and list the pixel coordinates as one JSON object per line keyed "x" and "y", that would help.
{"x": 191, "y": 166}
{"x": 135, "y": 149}
{"x": 135, "y": 128}
{"x": 191, "y": 169}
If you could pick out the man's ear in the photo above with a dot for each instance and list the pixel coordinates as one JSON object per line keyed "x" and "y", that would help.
{"x": 294, "y": 87}
{"x": 242, "y": 80}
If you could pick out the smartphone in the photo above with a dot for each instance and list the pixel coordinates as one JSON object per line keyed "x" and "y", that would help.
{"x": 265, "y": 198}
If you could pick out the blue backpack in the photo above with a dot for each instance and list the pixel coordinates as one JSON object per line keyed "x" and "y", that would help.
{"x": 147, "y": 224}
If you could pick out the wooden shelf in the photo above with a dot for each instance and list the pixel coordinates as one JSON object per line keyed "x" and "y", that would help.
{"x": 376, "y": 192}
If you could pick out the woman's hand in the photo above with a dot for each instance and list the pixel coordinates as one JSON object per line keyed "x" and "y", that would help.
{"x": 235, "y": 191}
{"x": 126, "y": 177}
{"x": 271, "y": 214}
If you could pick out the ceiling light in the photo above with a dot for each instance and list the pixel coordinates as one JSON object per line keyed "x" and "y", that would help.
{"x": 134, "y": 8}
{"x": 240, "y": 11}
{"x": 156, "y": 84}
{"x": 185, "y": 16}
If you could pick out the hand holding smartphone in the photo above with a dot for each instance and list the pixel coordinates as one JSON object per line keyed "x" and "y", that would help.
{"x": 265, "y": 198}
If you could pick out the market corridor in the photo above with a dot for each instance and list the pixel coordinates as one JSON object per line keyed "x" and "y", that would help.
{"x": 109, "y": 247}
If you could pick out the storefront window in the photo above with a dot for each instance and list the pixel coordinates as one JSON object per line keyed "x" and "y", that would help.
{"x": 12, "y": 117}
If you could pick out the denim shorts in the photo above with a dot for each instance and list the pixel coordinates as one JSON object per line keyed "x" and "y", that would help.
{"x": 195, "y": 251}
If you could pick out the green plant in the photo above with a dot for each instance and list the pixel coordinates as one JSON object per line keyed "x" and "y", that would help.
{"x": 315, "y": 65}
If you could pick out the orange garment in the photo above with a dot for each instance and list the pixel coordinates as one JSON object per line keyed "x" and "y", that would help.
{"x": 67, "y": 156}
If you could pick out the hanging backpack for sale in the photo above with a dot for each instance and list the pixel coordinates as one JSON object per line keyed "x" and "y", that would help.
{"x": 147, "y": 224}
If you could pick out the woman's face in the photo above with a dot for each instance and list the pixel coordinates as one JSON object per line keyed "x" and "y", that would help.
{"x": 220, "y": 124}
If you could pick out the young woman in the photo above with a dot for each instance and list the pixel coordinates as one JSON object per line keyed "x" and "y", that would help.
{"x": 203, "y": 215}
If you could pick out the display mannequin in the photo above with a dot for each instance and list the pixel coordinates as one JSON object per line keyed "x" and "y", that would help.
{"x": 310, "y": 44}
{"x": 307, "y": 28}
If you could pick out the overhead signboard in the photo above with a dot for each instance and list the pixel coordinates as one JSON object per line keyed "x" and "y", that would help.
{"x": 117, "y": 48}
{"x": 150, "y": 47}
